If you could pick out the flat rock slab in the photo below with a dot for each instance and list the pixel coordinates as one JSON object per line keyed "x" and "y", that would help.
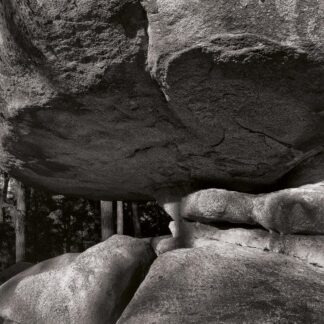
{"x": 308, "y": 248}
{"x": 224, "y": 283}
{"x": 124, "y": 100}
{"x": 295, "y": 210}
{"x": 91, "y": 288}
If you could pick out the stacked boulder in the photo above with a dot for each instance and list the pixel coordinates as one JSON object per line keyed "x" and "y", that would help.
{"x": 231, "y": 275}
{"x": 240, "y": 274}
{"x": 295, "y": 210}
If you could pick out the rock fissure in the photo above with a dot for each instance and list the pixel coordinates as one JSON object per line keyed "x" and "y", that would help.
{"x": 289, "y": 146}
{"x": 270, "y": 247}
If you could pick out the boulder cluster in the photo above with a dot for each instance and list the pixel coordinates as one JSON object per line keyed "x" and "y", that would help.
{"x": 148, "y": 99}
{"x": 230, "y": 269}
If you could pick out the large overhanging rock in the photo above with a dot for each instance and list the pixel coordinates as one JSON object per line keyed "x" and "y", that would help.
{"x": 129, "y": 99}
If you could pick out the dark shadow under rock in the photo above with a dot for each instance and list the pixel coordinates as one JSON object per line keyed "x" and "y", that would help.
{"x": 13, "y": 271}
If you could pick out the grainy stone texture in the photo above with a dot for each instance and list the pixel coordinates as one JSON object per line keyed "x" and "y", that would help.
{"x": 295, "y": 210}
{"x": 128, "y": 99}
{"x": 218, "y": 205}
{"x": 224, "y": 283}
{"x": 308, "y": 248}
{"x": 91, "y": 288}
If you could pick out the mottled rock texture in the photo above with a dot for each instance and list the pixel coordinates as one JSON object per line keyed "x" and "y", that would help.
{"x": 128, "y": 99}
{"x": 224, "y": 283}
{"x": 295, "y": 210}
{"x": 91, "y": 288}
{"x": 218, "y": 205}
{"x": 308, "y": 248}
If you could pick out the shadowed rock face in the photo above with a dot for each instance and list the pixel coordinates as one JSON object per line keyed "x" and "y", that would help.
{"x": 129, "y": 99}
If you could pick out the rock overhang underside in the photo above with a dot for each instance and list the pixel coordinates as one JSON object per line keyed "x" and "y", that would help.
{"x": 131, "y": 99}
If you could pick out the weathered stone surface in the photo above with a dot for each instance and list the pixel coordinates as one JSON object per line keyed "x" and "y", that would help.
{"x": 224, "y": 283}
{"x": 91, "y": 288}
{"x": 295, "y": 210}
{"x": 127, "y": 99}
{"x": 155, "y": 241}
{"x": 308, "y": 248}
{"x": 219, "y": 205}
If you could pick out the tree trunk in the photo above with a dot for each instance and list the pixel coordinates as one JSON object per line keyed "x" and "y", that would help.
{"x": 67, "y": 235}
{"x": 3, "y": 196}
{"x": 136, "y": 222}
{"x": 20, "y": 222}
{"x": 2, "y": 212}
{"x": 107, "y": 219}
{"x": 120, "y": 218}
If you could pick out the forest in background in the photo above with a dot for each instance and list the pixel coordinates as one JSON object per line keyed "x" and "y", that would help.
{"x": 36, "y": 225}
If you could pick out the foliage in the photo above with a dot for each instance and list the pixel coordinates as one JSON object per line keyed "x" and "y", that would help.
{"x": 60, "y": 224}
{"x": 154, "y": 220}
{"x": 7, "y": 245}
